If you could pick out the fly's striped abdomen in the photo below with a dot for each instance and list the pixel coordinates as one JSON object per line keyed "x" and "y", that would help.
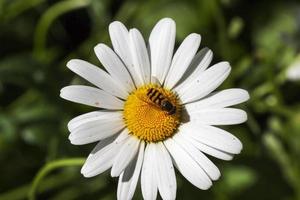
{"x": 156, "y": 97}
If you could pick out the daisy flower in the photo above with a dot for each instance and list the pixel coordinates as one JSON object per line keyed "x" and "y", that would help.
{"x": 157, "y": 111}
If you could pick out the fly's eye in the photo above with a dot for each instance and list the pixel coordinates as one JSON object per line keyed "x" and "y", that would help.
{"x": 166, "y": 105}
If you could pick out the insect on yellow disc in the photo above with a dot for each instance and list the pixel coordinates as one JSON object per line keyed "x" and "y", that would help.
{"x": 144, "y": 116}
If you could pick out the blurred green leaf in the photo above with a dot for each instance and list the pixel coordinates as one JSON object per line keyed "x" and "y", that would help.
{"x": 16, "y": 7}
{"x": 235, "y": 27}
{"x": 239, "y": 178}
{"x": 48, "y": 18}
{"x": 48, "y": 168}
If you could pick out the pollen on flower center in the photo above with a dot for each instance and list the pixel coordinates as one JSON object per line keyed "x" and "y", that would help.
{"x": 152, "y": 113}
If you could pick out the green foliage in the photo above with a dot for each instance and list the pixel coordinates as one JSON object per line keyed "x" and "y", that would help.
{"x": 37, "y": 37}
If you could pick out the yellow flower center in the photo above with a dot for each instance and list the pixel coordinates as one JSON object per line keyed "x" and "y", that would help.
{"x": 152, "y": 113}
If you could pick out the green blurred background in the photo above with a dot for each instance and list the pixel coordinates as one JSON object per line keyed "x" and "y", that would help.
{"x": 37, "y": 37}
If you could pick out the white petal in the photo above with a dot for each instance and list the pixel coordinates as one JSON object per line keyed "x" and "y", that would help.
{"x": 200, "y": 62}
{"x": 220, "y": 99}
{"x": 120, "y": 40}
{"x": 102, "y": 157}
{"x": 208, "y": 149}
{"x": 114, "y": 66}
{"x": 129, "y": 178}
{"x": 91, "y": 116}
{"x": 127, "y": 152}
{"x": 97, "y": 128}
{"x": 187, "y": 166}
{"x": 212, "y": 136}
{"x": 148, "y": 176}
{"x": 140, "y": 58}
{"x": 207, "y": 82}
{"x": 166, "y": 179}
{"x": 182, "y": 59}
{"x": 209, "y": 167}
{"x": 161, "y": 41}
{"x": 76, "y": 121}
{"x": 97, "y": 76}
{"x": 218, "y": 116}
{"x": 91, "y": 96}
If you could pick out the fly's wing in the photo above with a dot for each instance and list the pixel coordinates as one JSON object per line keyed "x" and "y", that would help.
{"x": 146, "y": 99}
{"x": 155, "y": 81}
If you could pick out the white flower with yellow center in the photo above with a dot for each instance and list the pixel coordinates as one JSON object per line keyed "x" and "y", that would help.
{"x": 157, "y": 111}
